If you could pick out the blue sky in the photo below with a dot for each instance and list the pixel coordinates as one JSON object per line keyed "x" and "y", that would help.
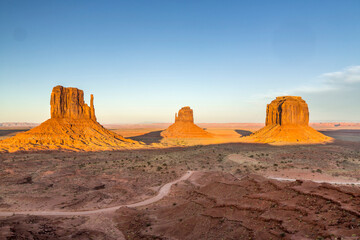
{"x": 144, "y": 60}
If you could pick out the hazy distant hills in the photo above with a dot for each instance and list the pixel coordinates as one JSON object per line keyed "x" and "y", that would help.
{"x": 18, "y": 124}
{"x": 204, "y": 125}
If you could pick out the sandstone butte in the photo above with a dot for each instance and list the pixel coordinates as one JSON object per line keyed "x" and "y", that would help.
{"x": 287, "y": 122}
{"x": 184, "y": 126}
{"x": 72, "y": 126}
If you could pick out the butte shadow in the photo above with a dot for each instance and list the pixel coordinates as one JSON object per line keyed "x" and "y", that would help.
{"x": 6, "y": 132}
{"x": 184, "y": 126}
{"x": 72, "y": 126}
{"x": 149, "y": 138}
{"x": 243, "y": 133}
{"x": 287, "y": 122}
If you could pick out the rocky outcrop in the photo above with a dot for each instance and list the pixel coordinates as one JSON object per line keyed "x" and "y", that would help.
{"x": 288, "y": 110}
{"x": 287, "y": 121}
{"x": 219, "y": 205}
{"x": 184, "y": 126}
{"x": 69, "y": 103}
{"x": 72, "y": 126}
{"x": 185, "y": 115}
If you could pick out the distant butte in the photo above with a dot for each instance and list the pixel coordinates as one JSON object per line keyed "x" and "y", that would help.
{"x": 184, "y": 126}
{"x": 72, "y": 126}
{"x": 287, "y": 121}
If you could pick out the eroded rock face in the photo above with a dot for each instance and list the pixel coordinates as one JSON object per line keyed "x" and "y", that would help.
{"x": 185, "y": 115}
{"x": 215, "y": 205}
{"x": 69, "y": 103}
{"x": 184, "y": 126}
{"x": 72, "y": 126}
{"x": 287, "y": 110}
{"x": 287, "y": 122}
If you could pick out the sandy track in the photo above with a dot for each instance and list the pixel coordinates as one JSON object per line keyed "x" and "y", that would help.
{"x": 164, "y": 190}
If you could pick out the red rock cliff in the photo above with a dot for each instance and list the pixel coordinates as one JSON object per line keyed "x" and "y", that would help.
{"x": 185, "y": 115}
{"x": 69, "y": 103}
{"x": 287, "y": 122}
{"x": 287, "y": 110}
{"x": 72, "y": 126}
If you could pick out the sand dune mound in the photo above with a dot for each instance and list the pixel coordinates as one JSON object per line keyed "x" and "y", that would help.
{"x": 72, "y": 126}
{"x": 287, "y": 121}
{"x": 184, "y": 126}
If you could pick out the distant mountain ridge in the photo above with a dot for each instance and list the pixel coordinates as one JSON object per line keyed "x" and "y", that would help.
{"x": 204, "y": 125}
{"x": 18, "y": 124}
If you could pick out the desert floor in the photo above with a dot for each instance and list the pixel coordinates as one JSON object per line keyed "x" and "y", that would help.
{"x": 231, "y": 194}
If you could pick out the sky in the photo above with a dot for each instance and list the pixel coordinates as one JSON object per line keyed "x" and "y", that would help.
{"x": 144, "y": 60}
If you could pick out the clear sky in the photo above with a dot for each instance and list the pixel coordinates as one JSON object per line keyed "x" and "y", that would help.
{"x": 144, "y": 60}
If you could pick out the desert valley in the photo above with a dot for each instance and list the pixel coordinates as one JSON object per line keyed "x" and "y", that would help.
{"x": 179, "y": 120}
{"x": 71, "y": 177}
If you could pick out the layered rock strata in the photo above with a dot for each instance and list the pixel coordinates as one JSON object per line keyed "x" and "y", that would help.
{"x": 287, "y": 121}
{"x": 287, "y": 110}
{"x": 69, "y": 103}
{"x": 72, "y": 126}
{"x": 184, "y": 126}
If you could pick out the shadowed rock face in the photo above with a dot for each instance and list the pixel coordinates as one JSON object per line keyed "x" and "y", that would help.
{"x": 69, "y": 103}
{"x": 72, "y": 126}
{"x": 184, "y": 126}
{"x": 287, "y": 121}
{"x": 287, "y": 110}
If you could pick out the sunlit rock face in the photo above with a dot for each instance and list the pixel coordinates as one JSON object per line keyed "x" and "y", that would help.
{"x": 287, "y": 110}
{"x": 185, "y": 115}
{"x": 72, "y": 126}
{"x": 184, "y": 126}
{"x": 69, "y": 103}
{"x": 287, "y": 122}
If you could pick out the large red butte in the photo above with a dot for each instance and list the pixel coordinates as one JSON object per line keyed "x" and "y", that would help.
{"x": 287, "y": 121}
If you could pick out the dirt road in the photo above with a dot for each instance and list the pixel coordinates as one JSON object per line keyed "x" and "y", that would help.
{"x": 164, "y": 190}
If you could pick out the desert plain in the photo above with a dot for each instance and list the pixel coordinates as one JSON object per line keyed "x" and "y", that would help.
{"x": 71, "y": 177}
{"x": 179, "y": 120}
{"x": 235, "y": 190}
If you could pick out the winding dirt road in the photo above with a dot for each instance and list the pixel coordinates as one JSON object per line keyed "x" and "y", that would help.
{"x": 164, "y": 190}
